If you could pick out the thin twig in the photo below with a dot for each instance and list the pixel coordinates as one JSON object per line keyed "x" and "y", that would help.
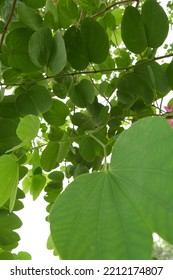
{"x": 118, "y": 69}
{"x": 112, "y": 6}
{"x": 7, "y": 24}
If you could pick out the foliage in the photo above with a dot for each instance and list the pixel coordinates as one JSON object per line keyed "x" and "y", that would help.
{"x": 75, "y": 75}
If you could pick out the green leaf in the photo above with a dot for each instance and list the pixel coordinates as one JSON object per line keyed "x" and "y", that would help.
{"x": 57, "y": 113}
{"x": 67, "y": 12}
{"x": 28, "y": 128}
{"x": 64, "y": 146}
{"x": 87, "y": 148}
{"x": 133, "y": 199}
{"x": 38, "y": 182}
{"x": 58, "y": 57}
{"x": 154, "y": 75}
{"x": 35, "y": 4}
{"x": 33, "y": 101}
{"x": 23, "y": 256}
{"x": 132, "y": 30}
{"x": 88, "y": 5}
{"x": 77, "y": 54}
{"x": 9, "y": 177}
{"x": 40, "y": 45}
{"x": 49, "y": 156}
{"x": 29, "y": 16}
{"x": 9, "y": 221}
{"x": 132, "y": 87}
{"x": 82, "y": 94}
{"x": 8, "y": 137}
{"x": 154, "y": 19}
{"x": 169, "y": 74}
{"x": 96, "y": 40}
{"x": 18, "y": 56}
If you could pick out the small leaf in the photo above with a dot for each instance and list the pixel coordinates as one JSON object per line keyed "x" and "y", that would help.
{"x": 96, "y": 40}
{"x": 9, "y": 177}
{"x": 49, "y": 156}
{"x": 82, "y": 94}
{"x": 154, "y": 19}
{"x": 58, "y": 57}
{"x": 77, "y": 54}
{"x": 57, "y": 113}
{"x": 87, "y": 148}
{"x": 132, "y": 30}
{"x": 28, "y": 128}
{"x": 40, "y": 45}
{"x": 38, "y": 182}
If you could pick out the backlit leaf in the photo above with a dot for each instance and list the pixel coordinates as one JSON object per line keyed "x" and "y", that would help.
{"x": 9, "y": 176}
{"x": 130, "y": 201}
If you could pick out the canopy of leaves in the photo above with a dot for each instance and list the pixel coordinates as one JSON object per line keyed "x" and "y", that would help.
{"x": 74, "y": 75}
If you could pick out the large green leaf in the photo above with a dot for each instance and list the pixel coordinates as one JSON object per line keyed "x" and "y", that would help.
{"x": 29, "y": 16}
{"x": 58, "y": 57}
{"x": 155, "y": 20}
{"x": 112, "y": 214}
{"x": 33, "y": 101}
{"x": 96, "y": 40}
{"x": 9, "y": 176}
{"x": 82, "y": 94}
{"x": 77, "y": 54}
{"x": 40, "y": 45}
{"x": 132, "y": 30}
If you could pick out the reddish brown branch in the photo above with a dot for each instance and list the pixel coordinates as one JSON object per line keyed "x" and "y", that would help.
{"x": 7, "y": 24}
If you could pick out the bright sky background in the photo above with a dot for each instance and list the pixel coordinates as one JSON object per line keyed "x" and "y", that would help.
{"x": 35, "y": 229}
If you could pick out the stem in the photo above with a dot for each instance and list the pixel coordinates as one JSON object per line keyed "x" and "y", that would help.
{"x": 118, "y": 69}
{"x": 112, "y": 6}
{"x": 104, "y": 150}
{"x": 7, "y": 24}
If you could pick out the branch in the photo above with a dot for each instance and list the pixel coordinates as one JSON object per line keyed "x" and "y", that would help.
{"x": 118, "y": 69}
{"x": 112, "y": 6}
{"x": 7, "y": 24}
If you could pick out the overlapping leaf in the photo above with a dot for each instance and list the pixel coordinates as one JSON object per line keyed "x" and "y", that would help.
{"x": 112, "y": 215}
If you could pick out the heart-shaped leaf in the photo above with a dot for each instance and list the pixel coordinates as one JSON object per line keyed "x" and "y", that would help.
{"x": 112, "y": 215}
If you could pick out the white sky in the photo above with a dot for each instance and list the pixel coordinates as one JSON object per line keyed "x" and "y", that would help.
{"x": 35, "y": 229}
